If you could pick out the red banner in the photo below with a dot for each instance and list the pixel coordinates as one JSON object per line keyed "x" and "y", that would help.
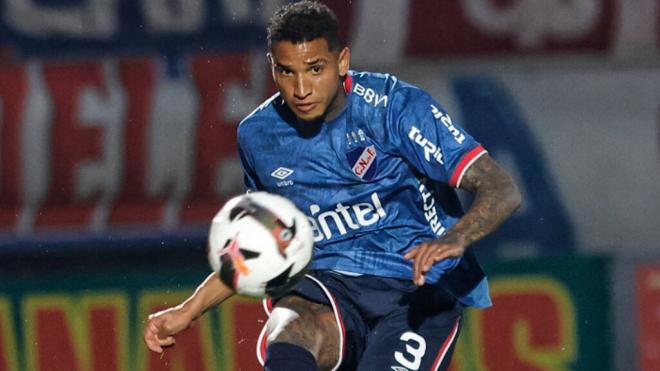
{"x": 94, "y": 144}
{"x": 432, "y": 28}
{"x": 648, "y": 310}
{"x": 508, "y": 27}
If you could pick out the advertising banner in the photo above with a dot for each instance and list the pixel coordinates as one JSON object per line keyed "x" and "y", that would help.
{"x": 132, "y": 145}
{"x": 380, "y": 31}
{"x": 145, "y": 148}
{"x": 65, "y": 29}
{"x": 547, "y": 315}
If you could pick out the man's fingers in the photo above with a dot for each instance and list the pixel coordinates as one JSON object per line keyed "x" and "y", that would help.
{"x": 158, "y": 335}
{"x": 426, "y": 258}
{"x": 152, "y": 342}
{"x": 158, "y": 331}
{"x": 428, "y": 253}
{"x": 420, "y": 258}
{"x": 157, "y": 344}
{"x": 432, "y": 258}
{"x": 155, "y": 347}
{"x": 442, "y": 255}
{"x": 167, "y": 342}
{"x": 417, "y": 266}
{"x": 410, "y": 255}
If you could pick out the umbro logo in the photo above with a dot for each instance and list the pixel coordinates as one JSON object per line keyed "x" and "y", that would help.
{"x": 281, "y": 173}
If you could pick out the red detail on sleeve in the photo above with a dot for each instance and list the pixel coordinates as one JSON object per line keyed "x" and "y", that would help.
{"x": 464, "y": 164}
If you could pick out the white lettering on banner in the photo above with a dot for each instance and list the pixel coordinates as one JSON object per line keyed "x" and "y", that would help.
{"x": 172, "y": 142}
{"x": 103, "y": 109}
{"x": 35, "y": 147}
{"x": 430, "y": 212}
{"x": 174, "y": 15}
{"x": 86, "y": 19}
{"x": 531, "y": 22}
{"x": 446, "y": 121}
{"x": 369, "y": 95}
{"x": 178, "y": 152}
{"x": 352, "y": 216}
{"x": 430, "y": 149}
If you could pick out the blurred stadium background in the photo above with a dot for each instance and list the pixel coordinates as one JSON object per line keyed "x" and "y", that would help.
{"x": 118, "y": 118}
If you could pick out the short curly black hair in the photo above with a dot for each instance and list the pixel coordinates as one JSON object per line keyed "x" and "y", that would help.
{"x": 304, "y": 21}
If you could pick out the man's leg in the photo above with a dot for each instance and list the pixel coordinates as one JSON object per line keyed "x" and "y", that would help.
{"x": 407, "y": 340}
{"x": 303, "y": 335}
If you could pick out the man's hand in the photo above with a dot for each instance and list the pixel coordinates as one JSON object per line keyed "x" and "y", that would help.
{"x": 426, "y": 254}
{"x": 163, "y": 327}
{"x": 496, "y": 197}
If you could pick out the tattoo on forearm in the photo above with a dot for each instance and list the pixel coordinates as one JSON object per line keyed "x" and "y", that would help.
{"x": 496, "y": 198}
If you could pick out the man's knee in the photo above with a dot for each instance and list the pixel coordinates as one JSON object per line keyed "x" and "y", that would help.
{"x": 306, "y": 324}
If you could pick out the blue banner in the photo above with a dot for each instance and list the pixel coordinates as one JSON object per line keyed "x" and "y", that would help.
{"x": 64, "y": 28}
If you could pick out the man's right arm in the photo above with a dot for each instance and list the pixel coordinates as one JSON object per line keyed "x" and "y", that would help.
{"x": 164, "y": 325}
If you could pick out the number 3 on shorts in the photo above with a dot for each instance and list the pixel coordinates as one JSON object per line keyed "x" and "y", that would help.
{"x": 415, "y": 348}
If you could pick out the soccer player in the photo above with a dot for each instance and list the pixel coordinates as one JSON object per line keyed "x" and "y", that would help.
{"x": 372, "y": 161}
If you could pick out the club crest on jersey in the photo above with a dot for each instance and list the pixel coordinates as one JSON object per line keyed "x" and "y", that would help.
{"x": 363, "y": 162}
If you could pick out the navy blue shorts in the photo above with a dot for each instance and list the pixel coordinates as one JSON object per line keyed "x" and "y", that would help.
{"x": 385, "y": 323}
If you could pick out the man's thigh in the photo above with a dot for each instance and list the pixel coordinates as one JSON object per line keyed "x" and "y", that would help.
{"x": 311, "y": 326}
{"x": 321, "y": 307}
{"x": 401, "y": 342}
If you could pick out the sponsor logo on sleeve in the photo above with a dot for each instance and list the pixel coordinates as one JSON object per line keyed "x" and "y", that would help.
{"x": 431, "y": 150}
{"x": 445, "y": 119}
{"x": 430, "y": 211}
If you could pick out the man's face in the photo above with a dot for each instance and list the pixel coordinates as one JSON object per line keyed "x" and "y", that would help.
{"x": 309, "y": 77}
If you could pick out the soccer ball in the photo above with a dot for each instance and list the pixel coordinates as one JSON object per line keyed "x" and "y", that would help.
{"x": 260, "y": 244}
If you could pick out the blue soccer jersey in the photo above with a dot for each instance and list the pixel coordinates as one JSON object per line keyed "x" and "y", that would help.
{"x": 375, "y": 181}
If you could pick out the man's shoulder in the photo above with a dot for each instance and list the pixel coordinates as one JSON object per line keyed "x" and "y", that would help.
{"x": 264, "y": 114}
{"x": 379, "y": 89}
{"x": 376, "y": 81}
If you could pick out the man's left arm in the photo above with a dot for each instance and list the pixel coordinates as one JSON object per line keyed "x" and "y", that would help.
{"x": 496, "y": 197}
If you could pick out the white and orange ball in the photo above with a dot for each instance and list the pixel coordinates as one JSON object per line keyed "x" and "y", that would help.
{"x": 260, "y": 244}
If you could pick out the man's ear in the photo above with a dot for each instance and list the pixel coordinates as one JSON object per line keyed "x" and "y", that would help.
{"x": 271, "y": 64}
{"x": 344, "y": 61}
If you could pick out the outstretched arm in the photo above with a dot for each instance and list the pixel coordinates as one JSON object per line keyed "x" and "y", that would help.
{"x": 164, "y": 325}
{"x": 496, "y": 197}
